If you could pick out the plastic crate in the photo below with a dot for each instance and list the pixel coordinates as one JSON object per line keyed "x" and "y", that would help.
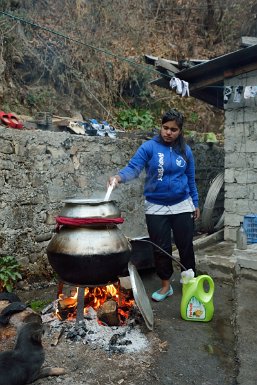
{"x": 250, "y": 226}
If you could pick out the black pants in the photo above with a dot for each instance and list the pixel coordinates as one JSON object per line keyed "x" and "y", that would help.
{"x": 159, "y": 229}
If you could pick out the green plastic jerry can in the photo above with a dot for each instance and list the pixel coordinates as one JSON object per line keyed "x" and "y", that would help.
{"x": 196, "y": 302}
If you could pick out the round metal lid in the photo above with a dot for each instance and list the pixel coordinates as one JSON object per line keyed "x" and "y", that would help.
{"x": 85, "y": 201}
{"x": 140, "y": 296}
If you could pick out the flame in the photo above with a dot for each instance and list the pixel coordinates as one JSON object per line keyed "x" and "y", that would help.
{"x": 95, "y": 297}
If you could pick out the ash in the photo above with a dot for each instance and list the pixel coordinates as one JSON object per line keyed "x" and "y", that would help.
{"x": 113, "y": 339}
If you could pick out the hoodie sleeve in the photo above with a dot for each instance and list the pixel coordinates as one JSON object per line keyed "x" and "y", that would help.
{"x": 190, "y": 172}
{"x": 136, "y": 164}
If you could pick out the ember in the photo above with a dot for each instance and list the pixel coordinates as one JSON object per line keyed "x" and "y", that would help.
{"x": 114, "y": 339}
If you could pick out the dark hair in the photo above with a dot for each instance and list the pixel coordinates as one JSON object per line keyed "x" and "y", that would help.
{"x": 174, "y": 115}
{"x": 178, "y": 117}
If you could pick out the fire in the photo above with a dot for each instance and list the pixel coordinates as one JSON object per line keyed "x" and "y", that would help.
{"x": 94, "y": 297}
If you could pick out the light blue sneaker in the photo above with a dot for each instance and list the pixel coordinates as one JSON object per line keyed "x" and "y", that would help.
{"x": 156, "y": 296}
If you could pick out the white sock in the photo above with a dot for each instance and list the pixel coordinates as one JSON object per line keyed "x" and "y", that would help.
{"x": 185, "y": 88}
{"x": 248, "y": 91}
{"x": 179, "y": 86}
{"x": 173, "y": 83}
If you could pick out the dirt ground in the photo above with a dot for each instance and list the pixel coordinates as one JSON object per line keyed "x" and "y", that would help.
{"x": 178, "y": 352}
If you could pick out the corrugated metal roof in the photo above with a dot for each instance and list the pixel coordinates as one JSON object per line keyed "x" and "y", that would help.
{"x": 206, "y": 80}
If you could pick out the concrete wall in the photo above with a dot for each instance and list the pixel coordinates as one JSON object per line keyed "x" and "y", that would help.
{"x": 240, "y": 156}
{"x": 39, "y": 169}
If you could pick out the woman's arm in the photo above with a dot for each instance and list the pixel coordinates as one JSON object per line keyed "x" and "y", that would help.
{"x": 136, "y": 164}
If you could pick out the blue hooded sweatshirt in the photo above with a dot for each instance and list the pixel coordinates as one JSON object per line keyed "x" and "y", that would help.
{"x": 170, "y": 179}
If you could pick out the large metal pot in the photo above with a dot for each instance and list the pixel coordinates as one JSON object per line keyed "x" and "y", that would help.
{"x": 89, "y": 255}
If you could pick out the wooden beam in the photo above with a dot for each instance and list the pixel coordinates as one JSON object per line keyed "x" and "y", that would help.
{"x": 164, "y": 72}
{"x": 164, "y": 83}
{"x": 218, "y": 78}
{"x": 167, "y": 65}
{"x": 161, "y": 82}
{"x": 210, "y": 96}
{"x": 150, "y": 59}
{"x": 240, "y": 70}
{"x": 206, "y": 83}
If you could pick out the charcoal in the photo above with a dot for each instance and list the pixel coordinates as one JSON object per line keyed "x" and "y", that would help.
{"x": 114, "y": 339}
{"x": 116, "y": 349}
{"x": 82, "y": 333}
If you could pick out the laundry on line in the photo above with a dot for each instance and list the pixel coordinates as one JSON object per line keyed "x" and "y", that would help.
{"x": 238, "y": 92}
{"x": 180, "y": 86}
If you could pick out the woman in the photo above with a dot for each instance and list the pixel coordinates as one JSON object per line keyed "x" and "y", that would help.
{"x": 171, "y": 197}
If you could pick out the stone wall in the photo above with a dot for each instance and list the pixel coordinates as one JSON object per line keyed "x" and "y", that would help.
{"x": 240, "y": 156}
{"x": 39, "y": 169}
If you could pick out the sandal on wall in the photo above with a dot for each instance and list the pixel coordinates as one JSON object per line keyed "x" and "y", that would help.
{"x": 14, "y": 121}
{"x": 10, "y": 120}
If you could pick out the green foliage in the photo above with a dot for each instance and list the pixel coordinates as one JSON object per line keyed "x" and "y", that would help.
{"x": 132, "y": 118}
{"x": 193, "y": 118}
{"x": 40, "y": 99}
{"x": 191, "y": 134}
{"x": 210, "y": 137}
{"x": 9, "y": 273}
{"x": 37, "y": 305}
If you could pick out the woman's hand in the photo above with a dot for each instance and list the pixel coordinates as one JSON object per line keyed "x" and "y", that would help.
{"x": 114, "y": 181}
{"x": 197, "y": 213}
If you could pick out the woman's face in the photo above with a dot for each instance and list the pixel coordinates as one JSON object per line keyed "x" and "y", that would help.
{"x": 170, "y": 131}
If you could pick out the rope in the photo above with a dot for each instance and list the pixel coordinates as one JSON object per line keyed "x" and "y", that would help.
{"x": 165, "y": 252}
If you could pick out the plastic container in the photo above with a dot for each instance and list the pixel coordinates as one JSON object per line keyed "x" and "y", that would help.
{"x": 241, "y": 238}
{"x": 196, "y": 302}
{"x": 250, "y": 226}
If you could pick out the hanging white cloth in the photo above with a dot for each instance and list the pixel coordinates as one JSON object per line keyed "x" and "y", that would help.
{"x": 180, "y": 86}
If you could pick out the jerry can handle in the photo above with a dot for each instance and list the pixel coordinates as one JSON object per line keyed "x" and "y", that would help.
{"x": 206, "y": 295}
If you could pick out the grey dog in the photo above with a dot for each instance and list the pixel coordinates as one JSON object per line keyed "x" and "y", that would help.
{"x": 23, "y": 364}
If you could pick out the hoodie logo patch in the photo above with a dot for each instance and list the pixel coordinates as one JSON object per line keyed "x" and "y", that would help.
{"x": 180, "y": 162}
{"x": 160, "y": 165}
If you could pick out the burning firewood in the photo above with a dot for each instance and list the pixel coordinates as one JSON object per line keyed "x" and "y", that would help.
{"x": 108, "y": 313}
{"x": 67, "y": 302}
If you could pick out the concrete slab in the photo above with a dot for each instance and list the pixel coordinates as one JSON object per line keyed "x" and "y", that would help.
{"x": 247, "y": 258}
